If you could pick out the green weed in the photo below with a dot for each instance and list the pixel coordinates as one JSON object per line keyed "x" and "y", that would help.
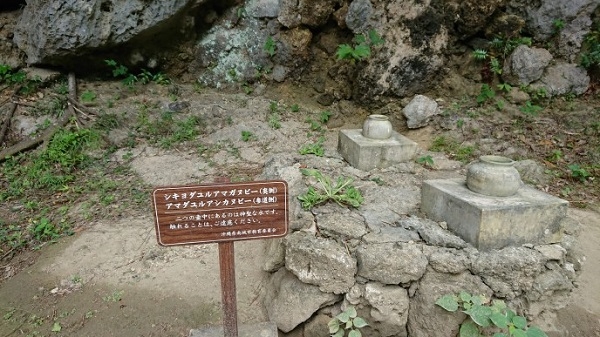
{"x": 129, "y": 79}
{"x": 273, "y": 117}
{"x": 342, "y": 191}
{"x": 505, "y": 46}
{"x": 531, "y": 109}
{"x": 314, "y": 148}
{"x": 426, "y": 161}
{"x": 314, "y": 125}
{"x": 115, "y": 296}
{"x": 378, "y": 181}
{"x": 481, "y": 314}
{"x": 480, "y": 54}
{"x": 88, "y": 96}
{"x": 324, "y": 116}
{"x": 270, "y": 46}
{"x": 486, "y": 93}
{"x": 247, "y": 136}
{"x": 555, "y": 156}
{"x": 274, "y": 121}
{"x": 578, "y": 172}
{"x": 495, "y": 66}
{"x": 347, "y": 320}
{"x": 185, "y": 130}
{"x": 558, "y": 25}
{"x": 44, "y": 230}
{"x": 361, "y": 48}
{"x": 453, "y": 148}
{"x": 9, "y": 75}
{"x": 504, "y": 87}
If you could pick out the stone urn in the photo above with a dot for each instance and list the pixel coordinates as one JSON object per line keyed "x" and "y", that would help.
{"x": 494, "y": 176}
{"x": 377, "y": 127}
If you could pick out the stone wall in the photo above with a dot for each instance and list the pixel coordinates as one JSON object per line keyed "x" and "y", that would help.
{"x": 394, "y": 266}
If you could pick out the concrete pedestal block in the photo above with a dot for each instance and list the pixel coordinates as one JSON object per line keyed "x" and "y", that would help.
{"x": 492, "y": 222}
{"x": 366, "y": 154}
{"x": 266, "y": 329}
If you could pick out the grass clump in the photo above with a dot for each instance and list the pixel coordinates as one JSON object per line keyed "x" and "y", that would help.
{"x": 457, "y": 151}
{"x": 52, "y": 168}
{"x": 341, "y": 191}
{"x": 314, "y": 148}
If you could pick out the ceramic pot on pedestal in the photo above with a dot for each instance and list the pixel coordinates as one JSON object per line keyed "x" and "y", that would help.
{"x": 377, "y": 127}
{"x": 494, "y": 176}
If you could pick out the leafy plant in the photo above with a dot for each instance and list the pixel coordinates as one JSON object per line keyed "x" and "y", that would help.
{"x": 506, "y": 46}
{"x": 378, "y": 181}
{"x": 10, "y": 76}
{"x": 555, "y": 156}
{"x": 558, "y": 25}
{"x": 44, "y": 230}
{"x": 247, "y": 88}
{"x": 504, "y": 87}
{"x": 270, "y": 46}
{"x": 145, "y": 77}
{"x": 274, "y": 121}
{"x": 455, "y": 149}
{"x": 324, "y": 116}
{"x": 342, "y": 191}
{"x": 482, "y": 314}
{"x": 315, "y": 148}
{"x": 241, "y": 12}
{"x": 295, "y": 108}
{"x": 495, "y": 66}
{"x": 425, "y": 161}
{"x": 87, "y": 96}
{"x": 56, "y": 327}
{"x": 361, "y": 49}
{"x": 184, "y": 130}
{"x": 273, "y": 107}
{"x": 247, "y": 136}
{"x": 121, "y": 71}
{"x": 579, "y": 172}
{"x": 115, "y": 296}
{"x": 314, "y": 125}
{"x": 273, "y": 118}
{"x": 486, "y": 93}
{"x": 480, "y": 54}
{"x": 347, "y": 320}
{"x": 531, "y": 109}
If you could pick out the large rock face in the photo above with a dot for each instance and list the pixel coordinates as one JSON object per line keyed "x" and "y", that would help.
{"x": 575, "y": 16}
{"x": 50, "y": 30}
{"x": 415, "y": 37}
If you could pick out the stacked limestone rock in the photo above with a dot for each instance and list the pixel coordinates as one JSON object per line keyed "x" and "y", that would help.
{"x": 394, "y": 270}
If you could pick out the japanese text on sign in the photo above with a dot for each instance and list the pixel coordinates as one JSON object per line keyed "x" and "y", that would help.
{"x": 220, "y": 212}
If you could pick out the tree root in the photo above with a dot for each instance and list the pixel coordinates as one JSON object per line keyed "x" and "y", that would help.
{"x": 46, "y": 135}
{"x": 6, "y": 122}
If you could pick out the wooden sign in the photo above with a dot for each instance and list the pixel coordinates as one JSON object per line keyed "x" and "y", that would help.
{"x": 220, "y": 212}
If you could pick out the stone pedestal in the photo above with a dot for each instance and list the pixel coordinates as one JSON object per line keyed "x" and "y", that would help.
{"x": 266, "y": 329}
{"x": 366, "y": 154}
{"x": 492, "y": 222}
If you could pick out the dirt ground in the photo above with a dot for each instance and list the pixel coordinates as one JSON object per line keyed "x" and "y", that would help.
{"x": 112, "y": 279}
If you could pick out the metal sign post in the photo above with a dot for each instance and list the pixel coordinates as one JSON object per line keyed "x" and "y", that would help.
{"x": 222, "y": 213}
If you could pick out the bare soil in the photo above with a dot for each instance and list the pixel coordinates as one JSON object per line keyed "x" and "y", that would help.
{"x": 112, "y": 279}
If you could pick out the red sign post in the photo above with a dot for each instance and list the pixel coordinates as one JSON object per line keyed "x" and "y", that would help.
{"x": 223, "y": 213}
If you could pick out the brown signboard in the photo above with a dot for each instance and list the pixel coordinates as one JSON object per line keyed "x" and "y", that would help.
{"x": 220, "y": 212}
